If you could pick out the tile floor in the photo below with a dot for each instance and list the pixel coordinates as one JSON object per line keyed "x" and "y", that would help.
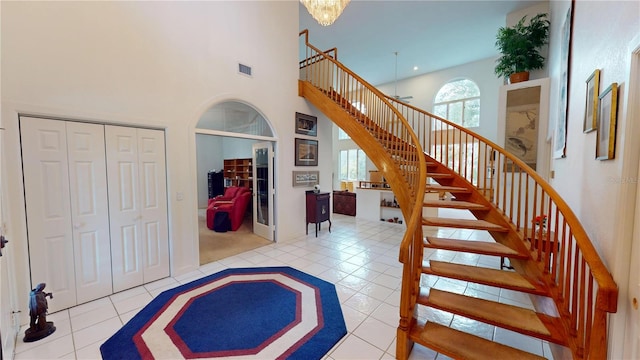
{"x": 360, "y": 257}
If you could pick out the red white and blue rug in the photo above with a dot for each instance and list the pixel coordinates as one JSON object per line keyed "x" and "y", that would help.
{"x": 248, "y": 313}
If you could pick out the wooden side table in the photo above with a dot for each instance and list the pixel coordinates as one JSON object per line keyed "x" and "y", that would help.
{"x": 317, "y": 209}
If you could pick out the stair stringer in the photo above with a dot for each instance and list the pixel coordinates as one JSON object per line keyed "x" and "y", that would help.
{"x": 366, "y": 141}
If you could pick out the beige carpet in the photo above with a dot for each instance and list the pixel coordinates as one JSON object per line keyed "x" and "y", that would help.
{"x": 215, "y": 246}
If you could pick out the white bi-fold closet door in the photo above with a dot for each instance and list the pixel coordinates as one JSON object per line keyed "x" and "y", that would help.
{"x": 138, "y": 205}
{"x": 75, "y": 205}
{"x": 67, "y": 212}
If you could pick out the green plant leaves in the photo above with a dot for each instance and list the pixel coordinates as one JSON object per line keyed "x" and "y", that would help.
{"x": 520, "y": 44}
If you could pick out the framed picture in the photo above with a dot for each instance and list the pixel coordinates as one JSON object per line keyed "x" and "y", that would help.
{"x": 521, "y": 126}
{"x": 606, "y": 127}
{"x": 591, "y": 106}
{"x": 560, "y": 135}
{"x": 306, "y": 152}
{"x": 305, "y": 178}
{"x": 306, "y": 124}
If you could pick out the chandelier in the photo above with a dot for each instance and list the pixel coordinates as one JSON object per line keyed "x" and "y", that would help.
{"x": 325, "y": 11}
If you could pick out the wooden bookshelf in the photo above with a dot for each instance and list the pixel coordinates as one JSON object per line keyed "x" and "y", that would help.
{"x": 238, "y": 172}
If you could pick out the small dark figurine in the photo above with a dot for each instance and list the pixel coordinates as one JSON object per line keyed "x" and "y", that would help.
{"x": 38, "y": 327}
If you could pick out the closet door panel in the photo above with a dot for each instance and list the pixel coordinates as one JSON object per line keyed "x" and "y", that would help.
{"x": 89, "y": 210}
{"x": 153, "y": 185}
{"x": 124, "y": 211}
{"x": 46, "y": 186}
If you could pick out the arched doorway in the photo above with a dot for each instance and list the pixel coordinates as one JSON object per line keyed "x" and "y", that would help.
{"x": 227, "y": 136}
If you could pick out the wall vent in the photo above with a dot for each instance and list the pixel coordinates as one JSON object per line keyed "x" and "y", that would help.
{"x": 244, "y": 69}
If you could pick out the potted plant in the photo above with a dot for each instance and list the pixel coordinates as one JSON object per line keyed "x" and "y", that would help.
{"x": 520, "y": 45}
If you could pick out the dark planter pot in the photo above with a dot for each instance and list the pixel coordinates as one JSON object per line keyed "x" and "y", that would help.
{"x": 518, "y": 77}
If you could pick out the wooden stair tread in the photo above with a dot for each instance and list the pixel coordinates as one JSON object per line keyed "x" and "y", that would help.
{"x": 463, "y": 224}
{"x": 492, "y": 277}
{"x": 465, "y": 346}
{"x": 454, "y": 204}
{"x": 474, "y": 247}
{"x": 510, "y": 317}
{"x": 439, "y": 175}
{"x": 454, "y": 189}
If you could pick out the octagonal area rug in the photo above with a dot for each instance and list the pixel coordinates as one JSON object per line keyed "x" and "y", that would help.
{"x": 248, "y": 313}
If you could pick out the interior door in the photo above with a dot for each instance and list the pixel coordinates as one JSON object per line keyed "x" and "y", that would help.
{"x": 263, "y": 193}
{"x": 124, "y": 211}
{"x": 632, "y": 348}
{"x": 89, "y": 210}
{"x": 633, "y": 321}
{"x": 7, "y": 331}
{"x": 153, "y": 208}
{"x": 46, "y": 187}
{"x": 136, "y": 172}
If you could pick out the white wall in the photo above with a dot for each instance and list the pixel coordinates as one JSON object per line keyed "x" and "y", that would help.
{"x": 603, "y": 35}
{"x": 152, "y": 64}
{"x": 424, "y": 88}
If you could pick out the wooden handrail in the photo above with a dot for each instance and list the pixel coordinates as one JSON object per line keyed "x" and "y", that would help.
{"x": 572, "y": 268}
{"x": 413, "y": 212}
{"x": 561, "y": 252}
{"x": 384, "y": 134}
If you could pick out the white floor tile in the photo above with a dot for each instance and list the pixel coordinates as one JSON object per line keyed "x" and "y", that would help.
{"x": 352, "y": 318}
{"x": 376, "y": 332}
{"x": 162, "y": 283}
{"x": 355, "y": 348}
{"x": 91, "y": 352}
{"x": 388, "y": 314}
{"x": 97, "y": 315}
{"x": 50, "y": 350}
{"x": 131, "y": 303}
{"x": 363, "y": 303}
{"x": 89, "y": 307}
{"x": 95, "y": 333}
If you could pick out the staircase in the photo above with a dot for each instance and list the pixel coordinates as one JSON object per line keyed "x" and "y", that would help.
{"x": 551, "y": 258}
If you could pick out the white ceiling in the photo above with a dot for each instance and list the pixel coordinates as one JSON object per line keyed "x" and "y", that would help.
{"x": 431, "y": 35}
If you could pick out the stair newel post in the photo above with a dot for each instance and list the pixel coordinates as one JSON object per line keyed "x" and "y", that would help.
{"x": 598, "y": 342}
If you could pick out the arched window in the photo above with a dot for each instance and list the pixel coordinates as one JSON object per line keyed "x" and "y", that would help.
{"x": 459, "y": 101}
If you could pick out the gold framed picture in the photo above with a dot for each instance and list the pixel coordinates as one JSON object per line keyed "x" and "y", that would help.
{"x": 591, "y": 105}
{"x": 606, "y": 128}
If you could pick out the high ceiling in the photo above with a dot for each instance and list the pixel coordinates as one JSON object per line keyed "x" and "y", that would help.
{"x": 431, "y": 35}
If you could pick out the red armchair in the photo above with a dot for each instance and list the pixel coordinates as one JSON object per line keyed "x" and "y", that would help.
{"x": 229, "y": 194}
{"x": 235, "y": 208}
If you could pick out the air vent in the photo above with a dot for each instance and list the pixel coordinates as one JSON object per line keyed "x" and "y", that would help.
{"x": 244, "y": 69}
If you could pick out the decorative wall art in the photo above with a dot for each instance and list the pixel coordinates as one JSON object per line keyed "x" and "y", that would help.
{"x": 606, "y": 128}
{"x": 521, "y": 128}
{"x": 306, "y": 152}
{"x": 305, "y": 178}
{"x": 306, "y": 124}
{"x": 591, "y": 105}
{"x": 560, "y": 143}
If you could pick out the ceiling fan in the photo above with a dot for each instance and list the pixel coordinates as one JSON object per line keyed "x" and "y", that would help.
{"x": 395, "y": 91}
